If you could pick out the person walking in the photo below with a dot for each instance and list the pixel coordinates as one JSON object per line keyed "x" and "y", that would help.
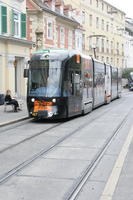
{"x": 11, "y": 100}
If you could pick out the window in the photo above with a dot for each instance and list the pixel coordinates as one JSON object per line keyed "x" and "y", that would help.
{"x": 117, "y": 48}
{"x": 83, "y": 17}
{"x": 117, "y": 61}
{"x": 16, "y": 20}
{"x": 49, "y": 30}
{"x": 90, "y": 43}
{"x": 19, "y": 24}
{"x": 117, "y": 45}
{"x": 111, "y": 46}
{"x": 77, "y": 78}
{"x": 97, "y": 3}
{"x": 3, "y": 19}
{"x": 102, "y": 45}
{"x": 102, "y": 6}
{"x": 102, "y": 58}
{"x": 90, "y": 20}
{"x": 97, "y": 44}
{"x": 111, "y": 28}
{"x": 122, "y": 46}
{"x": 78, "y": 40}
{"x": 62, "y": 36}
{"x": 107, "y": 45}
{"x": 107, "y": 8}
{"x": 107, "y": 26}
{"x": 102, "y": 24}
{"x": 97, "y": 22}
{"x": 83, "y": 41}
{"x": 70, "y": 39}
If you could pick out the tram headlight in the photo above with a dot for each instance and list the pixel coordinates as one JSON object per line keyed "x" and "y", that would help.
{"x": 53, "y": 100}
{"x": 32, "y": 100}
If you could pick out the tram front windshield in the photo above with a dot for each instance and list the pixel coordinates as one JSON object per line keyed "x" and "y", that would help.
{"x": 45, "y": 78}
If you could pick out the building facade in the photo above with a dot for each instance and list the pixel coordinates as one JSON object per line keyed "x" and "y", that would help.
{"x": 104, "y": 27}
{"x": 128, "y": 43}
{"x": 51, "y": 25}
{"x": 14, "y": 48}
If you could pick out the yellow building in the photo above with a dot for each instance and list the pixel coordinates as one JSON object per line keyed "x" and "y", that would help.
{"x": 104, "y": 25}
{"x": 14, "y": 48}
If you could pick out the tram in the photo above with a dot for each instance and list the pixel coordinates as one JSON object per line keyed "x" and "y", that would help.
{"x": 130, "y": 81}
{"x": 66, "y": 83}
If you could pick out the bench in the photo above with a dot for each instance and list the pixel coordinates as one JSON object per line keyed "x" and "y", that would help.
{"x": 7, "y": 104}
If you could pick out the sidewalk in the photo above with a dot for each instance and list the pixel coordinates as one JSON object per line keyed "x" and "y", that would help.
{"x": 9, "y": 116}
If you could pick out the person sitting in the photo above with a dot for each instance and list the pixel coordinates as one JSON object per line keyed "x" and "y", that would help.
{"x": 11, "y": 101}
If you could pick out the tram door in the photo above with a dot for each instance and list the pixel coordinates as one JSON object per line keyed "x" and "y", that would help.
{"x": 75, "y": 93}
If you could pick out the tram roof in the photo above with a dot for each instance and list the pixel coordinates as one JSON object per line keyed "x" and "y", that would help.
{"x": 59, "y": 54}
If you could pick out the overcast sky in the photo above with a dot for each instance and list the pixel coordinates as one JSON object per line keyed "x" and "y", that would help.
{"x": 124, "y": 5}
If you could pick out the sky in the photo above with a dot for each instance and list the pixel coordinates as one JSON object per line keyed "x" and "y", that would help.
{"x": 124, "y": 5}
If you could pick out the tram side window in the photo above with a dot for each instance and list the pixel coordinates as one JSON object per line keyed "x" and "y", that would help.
{"x": 88, "y": 83}
{"x": 74, "y": 83}
{"x": 71, "y": 83}
{"x": 77, "y": 78}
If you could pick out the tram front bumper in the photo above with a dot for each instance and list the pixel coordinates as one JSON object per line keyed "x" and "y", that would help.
{"x": 48, "y": 113}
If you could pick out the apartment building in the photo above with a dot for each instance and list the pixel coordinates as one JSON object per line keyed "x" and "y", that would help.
{"x": 14, "y": 48}
{"x": 51, "y": 25}
{"x": 104, "y": 27}
{"x": 128, "y": 47}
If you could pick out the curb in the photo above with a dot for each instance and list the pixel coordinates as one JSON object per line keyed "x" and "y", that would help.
{"x": 13, "y": 121}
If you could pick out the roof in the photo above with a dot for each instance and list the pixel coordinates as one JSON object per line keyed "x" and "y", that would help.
{"x": 48, "y": 9}
{"x": 113, "y": 7}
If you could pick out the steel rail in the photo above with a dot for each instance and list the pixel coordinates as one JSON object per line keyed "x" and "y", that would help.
{"x": 27, "y": 162}
{"x": 75, "y": 190}
{"x": 37, "y": 134}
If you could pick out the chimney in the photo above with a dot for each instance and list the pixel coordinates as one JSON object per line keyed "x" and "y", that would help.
{"x": 59, "y": 5}
{"x": 48, "y": 3}
{"x": 68, "y": 10}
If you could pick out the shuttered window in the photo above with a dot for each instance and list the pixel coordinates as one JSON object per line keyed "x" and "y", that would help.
{"x": 18, "y": 24}
{"x": 23, "y": 25}
{"x": 4, "y": 19}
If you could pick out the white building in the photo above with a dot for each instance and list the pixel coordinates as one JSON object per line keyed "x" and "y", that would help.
{"x": 128, "y": 50}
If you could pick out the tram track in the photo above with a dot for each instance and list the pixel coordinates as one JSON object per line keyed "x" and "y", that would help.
{"x": 29, "y": 138}
{"x": 22, "y": 165}
{"x": 39, "y": 133}
{"x": 75, "y": 190}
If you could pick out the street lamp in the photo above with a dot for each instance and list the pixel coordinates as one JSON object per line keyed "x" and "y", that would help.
{"x": 94, "y": 50}
{"x": 94, "y": 46}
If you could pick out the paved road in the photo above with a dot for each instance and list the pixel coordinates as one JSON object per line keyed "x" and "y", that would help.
{"x": 64, "y": 152}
